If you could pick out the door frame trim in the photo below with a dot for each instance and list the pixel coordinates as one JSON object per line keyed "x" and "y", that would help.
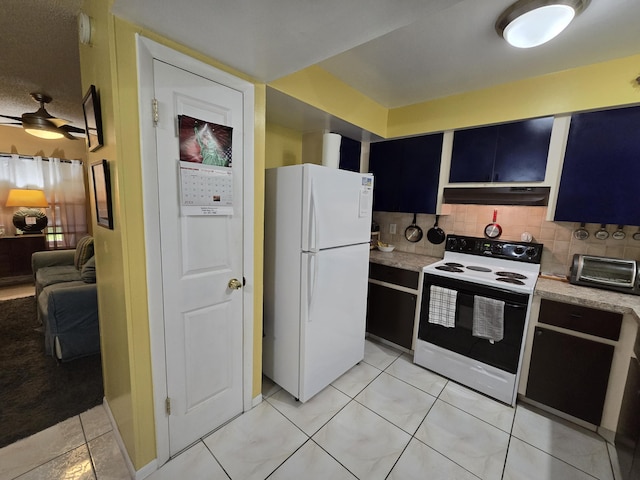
{"x": 147, "y": 50}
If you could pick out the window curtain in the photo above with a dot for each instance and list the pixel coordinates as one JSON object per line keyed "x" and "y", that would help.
{"x": 63, "y": 182}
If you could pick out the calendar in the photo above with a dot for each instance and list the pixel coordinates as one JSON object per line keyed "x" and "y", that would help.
{"x": 205, "y": 189}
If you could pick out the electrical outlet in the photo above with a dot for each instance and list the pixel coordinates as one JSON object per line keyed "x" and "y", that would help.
{"x": 392, "y": 228}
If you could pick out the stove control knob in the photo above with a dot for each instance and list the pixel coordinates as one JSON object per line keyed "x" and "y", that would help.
{"x": 518, "y": 250}
{"x": 463, "y": 243}
{"x": 531, "y": 252}
{"x": 496, "y": 248}
{"x": 453, "y": 243}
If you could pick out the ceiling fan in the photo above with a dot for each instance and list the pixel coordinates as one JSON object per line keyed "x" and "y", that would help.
{"x": 42, "y": 124}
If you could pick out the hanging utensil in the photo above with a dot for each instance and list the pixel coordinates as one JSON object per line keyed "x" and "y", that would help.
{"x": 619, "y": 233}
{"x": 493, "y": 230}
{"x": 581, "y": 233}
{"x": 435, "y": 234}
{"x": 413, "y": 232}
{"x": 602, "y": 234}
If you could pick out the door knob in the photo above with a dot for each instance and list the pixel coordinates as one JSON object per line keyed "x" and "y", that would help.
{"x": 235, "y": 284}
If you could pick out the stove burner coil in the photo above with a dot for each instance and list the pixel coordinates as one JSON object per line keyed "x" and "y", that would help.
{"x": 448, "y": 268}
{"x": 454, "y": 264}
{"x": 515, "y": 275}
{"x": 477, "y": 268}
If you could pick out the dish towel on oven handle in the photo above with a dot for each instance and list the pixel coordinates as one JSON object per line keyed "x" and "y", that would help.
{"x": 488, "y": 318}
{"x": 442, "y": 306}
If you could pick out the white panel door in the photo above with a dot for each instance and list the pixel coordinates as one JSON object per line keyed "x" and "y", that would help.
{"x": 336, "y": 208}
{"x": 200, "y": 254}
{"x": 334, "y": 307}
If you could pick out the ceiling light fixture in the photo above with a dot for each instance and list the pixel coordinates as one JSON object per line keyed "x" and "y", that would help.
{"x": 43, "y": 130}
{"x": 529, "y": 23}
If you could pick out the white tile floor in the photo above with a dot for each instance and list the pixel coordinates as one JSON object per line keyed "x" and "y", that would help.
{"x": 17, "y": 291}
{"x": 385, "y": 418}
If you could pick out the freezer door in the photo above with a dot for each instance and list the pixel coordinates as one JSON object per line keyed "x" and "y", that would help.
{"x": 334, "y": 303}
{"x": 336, "y": 208}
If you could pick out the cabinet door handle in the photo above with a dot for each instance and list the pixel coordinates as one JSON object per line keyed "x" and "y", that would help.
{"x": 575, "y": 315}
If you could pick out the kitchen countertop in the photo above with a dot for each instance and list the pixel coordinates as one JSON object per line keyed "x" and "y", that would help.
{"x": 553, "y": 289}
{"x": 563, "y": 291}
{"x": 404, "y": 260}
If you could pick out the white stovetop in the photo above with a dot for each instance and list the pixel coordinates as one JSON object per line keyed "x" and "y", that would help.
{"x": 530, "y": 270}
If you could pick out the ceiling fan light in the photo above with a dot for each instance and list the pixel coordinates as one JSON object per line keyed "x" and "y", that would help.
{"x": 538, "y": 26}
{"x": 46, "y": 134}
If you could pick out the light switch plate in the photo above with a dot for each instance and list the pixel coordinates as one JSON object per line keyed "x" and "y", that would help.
{"x": 392, "y": 228}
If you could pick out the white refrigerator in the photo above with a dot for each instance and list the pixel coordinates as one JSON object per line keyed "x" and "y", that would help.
{"x": 317, "y": 233}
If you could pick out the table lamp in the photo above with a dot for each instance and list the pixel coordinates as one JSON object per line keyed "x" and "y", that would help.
{"x": 29, "y": 218}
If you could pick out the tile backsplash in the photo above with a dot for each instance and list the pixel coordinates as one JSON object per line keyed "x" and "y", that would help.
{"x": 557, "y": 237}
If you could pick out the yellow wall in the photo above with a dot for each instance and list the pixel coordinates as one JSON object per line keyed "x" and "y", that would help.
{"x": 122, "y": 353}
{"x": 595, "y": 86}
{"x": 259, "y": 139}
{"x": 284, "y": 146}
{"x": 16, "y": 140}
{"x": 318, "y": 88}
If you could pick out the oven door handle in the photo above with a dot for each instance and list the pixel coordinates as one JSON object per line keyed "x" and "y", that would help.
{"x": 515, "y": 305}
{"x": 467, "y": 299}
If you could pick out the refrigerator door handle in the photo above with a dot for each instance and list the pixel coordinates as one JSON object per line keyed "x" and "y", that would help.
{"x": 313, "y": 221}
{"x": 312, "y": 279}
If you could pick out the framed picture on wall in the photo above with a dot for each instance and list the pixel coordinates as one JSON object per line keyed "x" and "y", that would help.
{"x": 102, "y": 193}
{"x": 92, "y": 119}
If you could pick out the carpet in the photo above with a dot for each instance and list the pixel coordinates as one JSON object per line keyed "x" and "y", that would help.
{"x": 36, "y": 391}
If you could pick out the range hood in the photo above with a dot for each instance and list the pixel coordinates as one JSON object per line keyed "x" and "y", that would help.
{"x": 532, "y": 196}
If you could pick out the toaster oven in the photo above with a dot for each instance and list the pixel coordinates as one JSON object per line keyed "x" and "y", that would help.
{"x": 604, "y": 272}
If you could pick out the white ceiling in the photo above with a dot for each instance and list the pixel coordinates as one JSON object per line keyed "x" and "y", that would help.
{"x": 397, "y": 52}
{"x": 39, "y": 53}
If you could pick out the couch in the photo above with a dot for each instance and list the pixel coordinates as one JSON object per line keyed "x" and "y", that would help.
{"x": 67, "y": 300}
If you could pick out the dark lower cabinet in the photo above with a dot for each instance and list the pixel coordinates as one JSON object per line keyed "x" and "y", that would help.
{"x": 15, "y": 254}
{"x": 569, "y": 374}
{"x": 390, "y": 314}
{"x": 628, "y": 432}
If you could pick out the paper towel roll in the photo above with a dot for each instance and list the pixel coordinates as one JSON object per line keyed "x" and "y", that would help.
{"x": 331, "y": 150}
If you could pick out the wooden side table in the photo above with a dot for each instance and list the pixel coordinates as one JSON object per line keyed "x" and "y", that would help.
{"x": 15, "y": 257}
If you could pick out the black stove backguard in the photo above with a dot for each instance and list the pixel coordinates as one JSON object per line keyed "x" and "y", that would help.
{"x": 527, "y": 252}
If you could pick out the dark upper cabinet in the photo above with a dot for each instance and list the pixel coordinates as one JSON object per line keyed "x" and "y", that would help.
{"x": 350, "y": 154}
{"x": 510, "y": 152}
{"x": 406, "y": 174}
{"x": 385, "y": 161}
{"x": 599, "y": 182}
{"x": 473, "y": 155}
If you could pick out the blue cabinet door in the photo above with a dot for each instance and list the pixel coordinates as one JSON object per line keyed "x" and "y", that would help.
{"x": 420, "y": 173}
{"x": 522, "y": 150}
{"x": 601, "y": 172}
{"x": 385, "y": 161}
{"x": 509, "y": 152}
{"x": 406, "y": 174}
{"x": 474, "y": 152}
{"x": 350, "y": 154}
